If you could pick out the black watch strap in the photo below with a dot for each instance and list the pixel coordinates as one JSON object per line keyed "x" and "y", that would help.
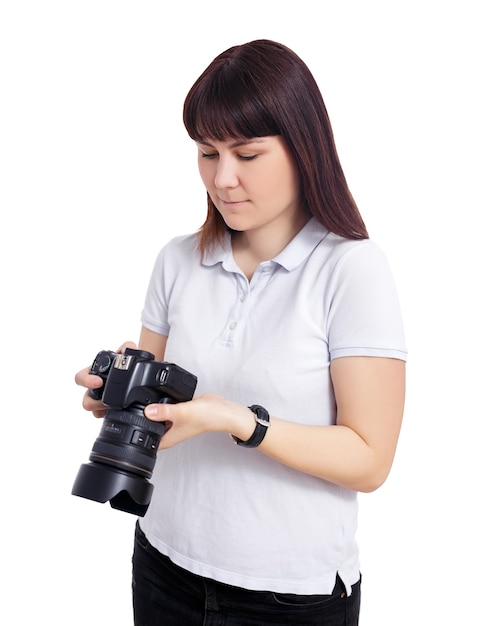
{"x": 262, "y": 424}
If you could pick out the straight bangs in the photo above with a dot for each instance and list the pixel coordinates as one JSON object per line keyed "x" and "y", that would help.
{"x": 223, "y": 109}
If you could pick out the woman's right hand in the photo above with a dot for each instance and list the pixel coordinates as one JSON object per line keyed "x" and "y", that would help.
{"x": 90, "y": 381}
{"x": 83, "y": 378}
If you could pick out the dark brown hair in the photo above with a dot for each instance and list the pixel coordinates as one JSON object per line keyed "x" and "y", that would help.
{"x": 260, "y": 89}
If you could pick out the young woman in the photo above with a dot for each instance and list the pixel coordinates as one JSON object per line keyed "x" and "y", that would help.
{"x": 287, "y": 313}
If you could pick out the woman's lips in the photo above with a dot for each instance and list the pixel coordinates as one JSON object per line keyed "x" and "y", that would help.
{"x": 232, "y": 204}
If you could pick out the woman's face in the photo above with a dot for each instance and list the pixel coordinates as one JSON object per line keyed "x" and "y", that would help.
{"x": 252, "y": 182}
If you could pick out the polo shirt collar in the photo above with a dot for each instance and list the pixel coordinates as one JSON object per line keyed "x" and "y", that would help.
{"x": 296, "y": 251}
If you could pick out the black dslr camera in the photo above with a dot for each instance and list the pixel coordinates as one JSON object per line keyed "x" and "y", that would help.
{"x": 124, "y": 454}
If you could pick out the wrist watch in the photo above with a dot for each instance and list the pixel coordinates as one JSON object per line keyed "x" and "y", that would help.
{"x": 262, "y": 424}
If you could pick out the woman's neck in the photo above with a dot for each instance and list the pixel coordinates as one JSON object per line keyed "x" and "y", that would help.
{"x": 250, "y": 248}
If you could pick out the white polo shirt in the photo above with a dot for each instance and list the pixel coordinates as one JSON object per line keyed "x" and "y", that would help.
{"x": 233, "y": 514}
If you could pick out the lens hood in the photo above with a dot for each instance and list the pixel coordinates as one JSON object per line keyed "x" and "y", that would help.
{"x": 124, "y": 491}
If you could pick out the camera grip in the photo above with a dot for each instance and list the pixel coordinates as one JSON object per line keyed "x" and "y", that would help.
{"x": 101, "y": 367}
{"x": 96, "y": 394}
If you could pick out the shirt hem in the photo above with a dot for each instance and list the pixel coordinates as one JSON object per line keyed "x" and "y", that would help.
{"x": 322, "y": 585}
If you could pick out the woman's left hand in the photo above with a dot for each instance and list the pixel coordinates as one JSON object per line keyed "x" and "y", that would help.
{"x": 208, "y": 412}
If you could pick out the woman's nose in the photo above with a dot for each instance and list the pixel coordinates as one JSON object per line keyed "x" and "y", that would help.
{"x": 226, "y": 174}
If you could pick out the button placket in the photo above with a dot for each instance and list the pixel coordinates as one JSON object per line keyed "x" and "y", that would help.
{"x": 246, "y": 292}
{"x": 261, "y": 277}
{"x": 238, "y": 311}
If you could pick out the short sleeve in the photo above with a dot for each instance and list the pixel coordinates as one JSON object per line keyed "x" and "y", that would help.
{"x": 154, "y": 315}
{"x": 364, "y": 316}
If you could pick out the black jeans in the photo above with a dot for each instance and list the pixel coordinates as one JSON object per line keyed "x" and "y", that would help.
{"x": 167, "y": 595}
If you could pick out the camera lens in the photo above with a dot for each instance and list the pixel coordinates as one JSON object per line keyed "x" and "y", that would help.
{"x": 128, "y": 441}
{"x": 121, "y": 462}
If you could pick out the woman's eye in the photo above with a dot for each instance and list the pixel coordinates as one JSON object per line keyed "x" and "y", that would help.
{"x": 242, "y": 157}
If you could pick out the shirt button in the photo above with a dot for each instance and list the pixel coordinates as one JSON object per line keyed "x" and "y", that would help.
{"x": 243, "y": 298}
{"x": 232, "y": 326}
{"x": 266, "y": 268}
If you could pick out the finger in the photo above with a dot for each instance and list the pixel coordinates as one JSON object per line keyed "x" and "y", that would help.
{"x": 85, "y": 379}
{"x": 92, "y": 404}
{"x": 159, "y": 412}
{"x": 125, "y": 345}
{"x": 81, "y": 376}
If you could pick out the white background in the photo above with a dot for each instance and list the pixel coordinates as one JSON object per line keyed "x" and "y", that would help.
{"x": 97, "y": 173}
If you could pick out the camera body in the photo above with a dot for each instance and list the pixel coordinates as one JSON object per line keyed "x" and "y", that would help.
{"x": 134, "y": 378}
{"x": 124, "y": 454}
